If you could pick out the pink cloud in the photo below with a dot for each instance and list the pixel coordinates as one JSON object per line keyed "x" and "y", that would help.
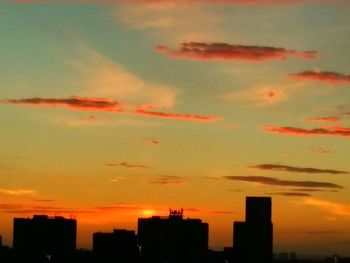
{"x": 326, "y": 131}
{"x": 322, "y": 76}
{"x": 224, "y": 51}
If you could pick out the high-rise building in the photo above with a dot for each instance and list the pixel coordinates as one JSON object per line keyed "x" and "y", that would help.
{"x": 253, "y": 239}
{"x": 172, "y": 239}
{"x": 44, "y": 239}
{"x": 258, "y": 210}
{"x": 119, "y": 246}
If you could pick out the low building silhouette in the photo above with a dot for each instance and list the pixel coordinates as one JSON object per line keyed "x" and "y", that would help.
{"x": 253, "y": 238}
{"x": 44, "y": 239}
{"x": 119, "y": 246}
{"x": 172, "y": 239}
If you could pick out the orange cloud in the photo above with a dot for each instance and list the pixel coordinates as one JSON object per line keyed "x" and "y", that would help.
{"x": 224, "y": 51}
{"x": 326, "y": 131}
{"x": 322, "y": 76}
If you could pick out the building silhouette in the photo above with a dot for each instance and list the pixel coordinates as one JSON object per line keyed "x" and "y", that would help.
{"x": 44, "y": 239}
{"x": 172, "y": 239}
{"x": 253, "y": 239}
{"x": 119, "y": 246}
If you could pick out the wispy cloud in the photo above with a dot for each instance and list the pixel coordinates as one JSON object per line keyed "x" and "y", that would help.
{"x": 288, "y": 183}
{"x": 28, "y": 208}
{"x": 323, "y": 119}
{"x": 331, "y": 207}
{"x": 294, "y": 169}
{"x": 117, "y": 179}
{"x": 321, "y": 150}
{"x": 225, "y": 51}
{"x": 222, "y": 212}
{"x": 177, "y": 116}
{"x": 322, "y": 232}
{"x": 260, "y": 96}
{"x": 102, "y": 76}
{"x": 44, "y": 200}
{"x": 129, "y": 165}
{"x": 322, "y": 76}
{"x": 173, "y": 21}
{"x": 291, "y": 194}
{"x": 74, "y": 103}
{"x": 119, "y": 207}
{"x": 17, "y": 191}
{"x": 313, "y": 190}
{"x": 168, "y": 180}
{"x": 326, "y": 131}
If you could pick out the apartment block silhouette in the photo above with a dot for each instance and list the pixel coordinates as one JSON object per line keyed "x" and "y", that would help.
{"x": 172, "y": 239}
{"x": 119, "y": 246}
{"x": 44, "y": 239}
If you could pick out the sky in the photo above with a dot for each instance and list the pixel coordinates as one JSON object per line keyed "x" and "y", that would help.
{"x": 115, "y": 110}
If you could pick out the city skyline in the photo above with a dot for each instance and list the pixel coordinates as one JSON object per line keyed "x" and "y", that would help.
{"x": 115, "y": 110}
{"x": 172, "y": 238}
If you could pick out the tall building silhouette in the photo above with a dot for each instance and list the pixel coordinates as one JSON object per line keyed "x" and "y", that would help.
{"x": 44, "y": 239}
{"x": 172, "y": 239}
{"x": 119, "y": 246}
{"x": 253, "y": 239}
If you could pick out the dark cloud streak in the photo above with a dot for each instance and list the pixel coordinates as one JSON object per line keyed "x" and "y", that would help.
{"x": 288, "y": 183}
{"x": 291, "y": 194}
{"x": 294, "y": 169}
{"x": 129, "y": 165}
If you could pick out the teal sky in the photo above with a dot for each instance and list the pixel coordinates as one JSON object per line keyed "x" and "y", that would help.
{"x": 112, "y": 111}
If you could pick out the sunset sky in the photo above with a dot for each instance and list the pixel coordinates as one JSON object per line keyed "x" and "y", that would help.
{"x": 114, "y": 110}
